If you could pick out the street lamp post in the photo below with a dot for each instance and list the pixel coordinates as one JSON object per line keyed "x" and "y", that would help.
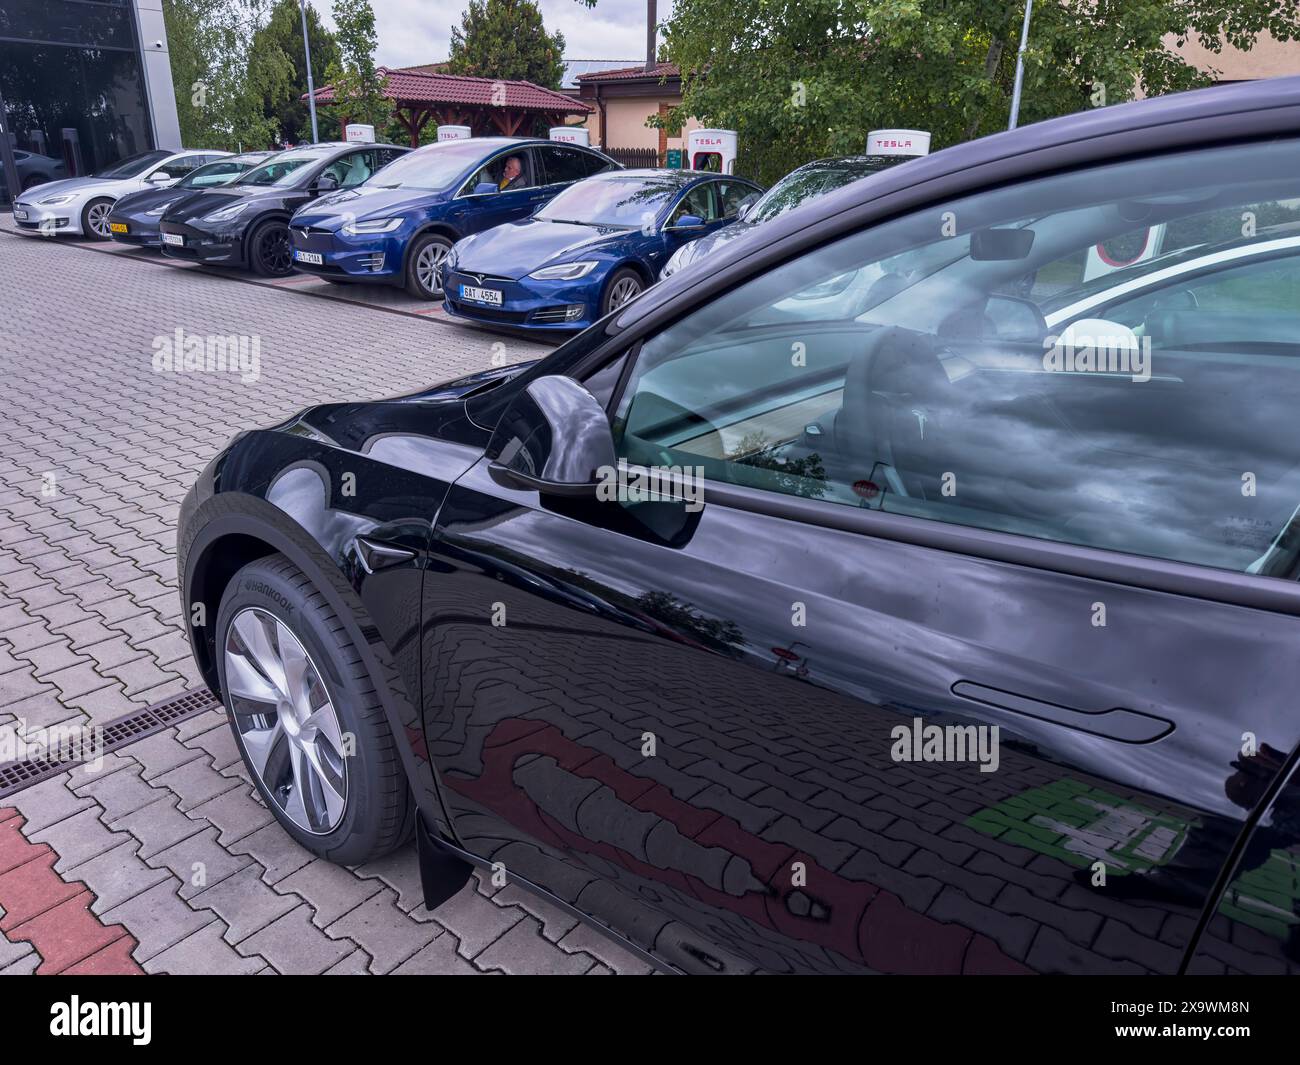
{"x": 1020, "y": 66}
{"x": 311, "y": 85}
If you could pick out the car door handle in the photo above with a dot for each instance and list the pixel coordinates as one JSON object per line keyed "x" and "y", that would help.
{"x": 1118, "y": 723}
{"x": 376, "y": 555}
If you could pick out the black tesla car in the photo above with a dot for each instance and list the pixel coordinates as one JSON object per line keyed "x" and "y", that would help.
{"x": 246, "y": 224}
{"x": 135, "y": 219}
{"x": 911, "y": 588}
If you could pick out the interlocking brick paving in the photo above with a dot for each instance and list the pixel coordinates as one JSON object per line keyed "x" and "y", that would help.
{"x": 164, "y": 859}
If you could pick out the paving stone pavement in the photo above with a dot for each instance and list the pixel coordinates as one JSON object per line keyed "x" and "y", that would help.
{"x": 163, "y": 859}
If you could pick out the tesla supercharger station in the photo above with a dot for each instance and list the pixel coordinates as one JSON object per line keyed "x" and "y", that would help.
{"x": 359, "y": 133}
{"x": 712, "y": 149}
{"x": 1103, "y": 260}
{"x": 571, "y": 135}
{"x": 898, "y": 142}
{"x": 72, "y": 163}
{"x": 453, "y": 133}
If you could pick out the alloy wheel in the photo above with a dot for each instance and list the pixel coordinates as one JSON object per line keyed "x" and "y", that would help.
{"x": 97, "y": 217}
{"x": 286, "y": 720}
{"x": 624, "y": 290}
{"x": 273, "y": 250}
{"x": 428, "y": 267}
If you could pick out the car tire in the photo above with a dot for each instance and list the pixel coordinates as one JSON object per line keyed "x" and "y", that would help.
{"x": 93, "y": 215}
{"x": 623, "y": 286}
{"x": 428, "y": 251}
{"x": 269, "y": 251}
{"x": 273, "y": 626}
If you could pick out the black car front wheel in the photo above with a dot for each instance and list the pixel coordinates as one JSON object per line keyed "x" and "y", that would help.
{"x": 269, "y": 253}
{"x": 307, "y": 716}
{"x": 424, "y": 266}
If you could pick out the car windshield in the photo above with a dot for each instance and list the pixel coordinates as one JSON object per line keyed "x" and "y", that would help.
{"x": 430, "y": 168}
{"x": 285, "y": 168}
{"x": 217, "y": 173}
{"x": 622, "y": 202}
{"x": 133, "y": 165}
{"x": 809, "y": 182}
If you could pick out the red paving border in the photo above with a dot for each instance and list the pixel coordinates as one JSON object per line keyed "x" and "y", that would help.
{"x": 53, "y": 914}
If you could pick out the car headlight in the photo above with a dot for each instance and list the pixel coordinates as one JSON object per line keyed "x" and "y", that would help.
{"x": 160, "y": 209}
{"x": 564, "y": 272}
{"x": 675, "y": 262}
{"x": 54, "y": 201}
{"x": 371, "y": 225}
{"x": 225, "y": 214}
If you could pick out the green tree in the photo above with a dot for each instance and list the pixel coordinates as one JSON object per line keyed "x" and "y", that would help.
{"x": 283, "y": 32}
{"x": 358, "y": 87}
{"x": 220, "y": 79}
{"x": 506, "y": 39}
{"x": 804, "y": 78}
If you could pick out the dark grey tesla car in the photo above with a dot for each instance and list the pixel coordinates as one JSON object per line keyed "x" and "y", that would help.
{"x": 911, "y": 588}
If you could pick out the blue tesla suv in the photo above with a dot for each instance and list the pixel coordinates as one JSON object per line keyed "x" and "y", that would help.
{"x": 590, "y": 250}
{"x": 397, "y": 228}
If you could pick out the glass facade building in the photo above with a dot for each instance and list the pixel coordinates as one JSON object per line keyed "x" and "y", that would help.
{"x": 82, "y": 82}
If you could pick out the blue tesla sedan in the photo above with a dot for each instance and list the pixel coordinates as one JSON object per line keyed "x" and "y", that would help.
{"x": 592, "y": 249}
{"x": 397, "y": 227}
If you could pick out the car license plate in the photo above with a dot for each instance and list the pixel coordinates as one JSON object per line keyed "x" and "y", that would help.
{"x": 117, "y": 227}
{"x": 481, "y": 295}
{"x": 175, "y": 239}
{"x": 312, "y": 257}
{"x": 20, "y": 214}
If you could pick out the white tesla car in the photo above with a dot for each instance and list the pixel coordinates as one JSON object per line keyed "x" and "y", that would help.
{"x": 81, "y": 204}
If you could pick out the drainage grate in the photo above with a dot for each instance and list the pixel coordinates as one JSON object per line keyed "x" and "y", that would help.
{"x": 118, "y": 733}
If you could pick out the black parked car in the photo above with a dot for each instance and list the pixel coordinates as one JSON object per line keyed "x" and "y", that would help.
{"x": 977, "y": 652}
{"x": 136, "y": 218}
{"x": 246, "y": 223}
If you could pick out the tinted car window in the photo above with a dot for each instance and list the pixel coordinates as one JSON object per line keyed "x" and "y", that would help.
{"x": 184, "y": 164}
{"x": 213, "y": 174}
{"x": 890, "y": 370}
{"x": 594, "y": 164}
{"x": 699, "y": 202}
{"x": 287, "y": 168}
{"x": 352, "y": 169}
{"x": 433, "y": 167}
{"x": 733, "y": 194}
{"x": 815, "y": 179}
{"x": 133, "y": 166}
{"x": 563, "y": 165}
{"x": 629, "y": 201}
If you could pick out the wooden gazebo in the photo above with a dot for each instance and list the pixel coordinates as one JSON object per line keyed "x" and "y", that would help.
{"x": 488, "y": 106}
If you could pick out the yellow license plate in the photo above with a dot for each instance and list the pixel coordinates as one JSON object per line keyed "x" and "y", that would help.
{"x": 117, "y": 227}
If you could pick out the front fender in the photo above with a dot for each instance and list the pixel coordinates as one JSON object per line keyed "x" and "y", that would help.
{"x": 230, "y": 529}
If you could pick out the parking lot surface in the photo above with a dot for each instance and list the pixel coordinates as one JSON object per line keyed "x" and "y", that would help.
{"x": 164, "y": 860}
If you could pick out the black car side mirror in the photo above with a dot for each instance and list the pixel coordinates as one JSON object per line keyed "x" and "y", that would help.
{"x": 326, "y": 183}
{"x": 553, "y": 438}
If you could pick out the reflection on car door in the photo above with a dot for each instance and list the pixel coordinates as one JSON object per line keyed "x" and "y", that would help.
{"x": 765, "y": 734}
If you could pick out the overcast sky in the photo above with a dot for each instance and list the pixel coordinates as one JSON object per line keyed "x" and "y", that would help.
{"x": 419, "y": 31}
